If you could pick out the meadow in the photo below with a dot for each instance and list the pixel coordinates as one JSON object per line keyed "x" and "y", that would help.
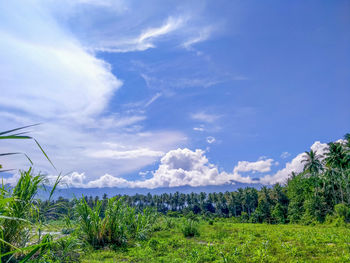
{"x": 225, "y": 240}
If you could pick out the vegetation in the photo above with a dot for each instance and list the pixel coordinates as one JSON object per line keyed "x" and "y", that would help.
{"x": 120, "y": 223}
{"x": 304, "y": 220}
{"x": 228, "y": 241}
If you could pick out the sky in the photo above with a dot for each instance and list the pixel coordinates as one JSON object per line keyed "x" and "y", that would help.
{"x": 172, "y": 93}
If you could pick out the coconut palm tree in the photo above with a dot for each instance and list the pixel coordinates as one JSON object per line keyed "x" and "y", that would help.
{"x": 312, "y": 162}
{"x": 337, "y": 160}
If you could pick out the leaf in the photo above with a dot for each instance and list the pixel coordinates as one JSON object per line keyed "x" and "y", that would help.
{"x": 31, "y": 253}
{"x": 7, "y": 170}
{"x": 14, "y": 218}
{"x": 42, "y": 150}
{"x": 20, "y": 128}
{"x": 4, "y": 154}
{"x": 15, "y": 137}
{"x": 58, "y": 179}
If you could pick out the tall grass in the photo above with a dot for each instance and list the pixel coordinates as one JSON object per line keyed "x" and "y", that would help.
{"x": 120, "y": 224}
{"x": 190, "y": 228}
{"x": 16, "y": 209}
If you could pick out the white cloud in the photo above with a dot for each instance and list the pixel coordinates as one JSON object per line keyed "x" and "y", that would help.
{"x": 261, "y": 166}
{"x": 183, "y": 167}
{"x": 295, "y": 165}
{"x": 205, "y": 117}
{"x": 285, "y": 155}
{"x": 108, "y": 180}
{"x": 210, "y": 139}
{"x": 145, "y": 40}
{"x": 203, "y": 35}
{"x": 153, "y": 99}
{"x": 319, "y": 148}
{"x": 200, "y": 128}
{"x": 130, "y": 154}
{"x": 46, "y": 71}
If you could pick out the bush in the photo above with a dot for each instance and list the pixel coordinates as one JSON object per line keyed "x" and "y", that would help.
{"x": 190, "y": 228}
{"x": 173, "y": 214}
{"x": 120, "y": 224}
{"x": 340, "y": 216}
{"x": 63, "y": 250}
{"x": 343, "y": 212}
{"x": 169, "y": 223}
{"x": 244, "y": 218}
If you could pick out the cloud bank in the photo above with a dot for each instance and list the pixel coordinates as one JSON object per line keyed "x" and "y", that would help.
{"x": 183, "y": 167}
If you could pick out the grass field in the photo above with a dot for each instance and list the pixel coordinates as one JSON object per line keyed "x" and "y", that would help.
{"x": 226, "y": 241}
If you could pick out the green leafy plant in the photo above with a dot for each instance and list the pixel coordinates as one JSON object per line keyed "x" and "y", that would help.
{"x": 120, "y": 223}
{"x": 190, "y": 228}
{"x": 17, "y": 207}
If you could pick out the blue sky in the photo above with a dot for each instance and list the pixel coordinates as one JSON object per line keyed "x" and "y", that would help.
{"x": 163, "y": 93}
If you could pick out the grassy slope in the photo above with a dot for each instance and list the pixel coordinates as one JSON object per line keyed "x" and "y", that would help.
{"x": 226, "y": 241}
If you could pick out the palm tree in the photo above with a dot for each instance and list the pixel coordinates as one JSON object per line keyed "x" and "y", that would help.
{"x": 337, "y": 160}
{"x": 312, "y": 162}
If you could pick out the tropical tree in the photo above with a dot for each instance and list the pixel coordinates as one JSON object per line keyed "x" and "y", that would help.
{"x": 312, "y": 162}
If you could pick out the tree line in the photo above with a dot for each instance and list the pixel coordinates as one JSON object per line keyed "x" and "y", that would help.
{"x": 314, "y": 195}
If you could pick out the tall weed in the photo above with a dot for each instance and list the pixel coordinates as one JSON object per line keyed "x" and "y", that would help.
{"x": 120, "y": 224}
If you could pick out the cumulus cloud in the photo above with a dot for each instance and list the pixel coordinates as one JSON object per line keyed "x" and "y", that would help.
{"x": 261, "y": 166}
{"x": 78, "y": 180}
{"x": 295, "y": 165}
{"x": 183, "y": 167}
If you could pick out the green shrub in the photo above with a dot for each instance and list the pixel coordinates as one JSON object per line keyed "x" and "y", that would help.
{"x": 173, "y": 214}
{"x": 244, "y": 218}
{"x": 340, "y": 216}
{"x": 64, "y": 250}
{"x": 120, "y": 224}
{"x": 190, "y": 228}
{"x": 342, "y": 211}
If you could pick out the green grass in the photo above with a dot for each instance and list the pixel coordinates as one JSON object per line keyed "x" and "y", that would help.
{"x": 225, "y": 241}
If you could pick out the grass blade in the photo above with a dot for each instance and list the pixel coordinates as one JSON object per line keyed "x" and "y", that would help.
{"x": 17, "y": 129}
{"x": 42, "y": 150}
{"x": 15, "y": 137}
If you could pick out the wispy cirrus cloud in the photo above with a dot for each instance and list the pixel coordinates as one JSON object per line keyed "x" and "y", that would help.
{"x": 203, "y": 35}
{"x": 143, "y": 41}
